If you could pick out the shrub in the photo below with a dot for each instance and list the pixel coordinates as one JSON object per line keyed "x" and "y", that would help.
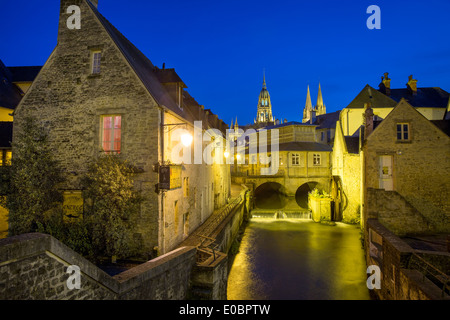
{"x": 33, "y": 180}
{"x": 112, "y": 206}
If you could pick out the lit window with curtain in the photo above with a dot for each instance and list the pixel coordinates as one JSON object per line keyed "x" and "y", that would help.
{"x": 111, "y": 133}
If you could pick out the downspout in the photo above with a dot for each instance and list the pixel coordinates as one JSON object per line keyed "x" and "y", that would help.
{"x": 162, "y": 217}
{"x": 363, "y": 181}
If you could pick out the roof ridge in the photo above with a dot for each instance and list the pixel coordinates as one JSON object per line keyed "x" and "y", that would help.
{"x": 140, "y": 63}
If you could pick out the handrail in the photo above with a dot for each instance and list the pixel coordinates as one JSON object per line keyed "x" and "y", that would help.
{"x": 445, "y": 278}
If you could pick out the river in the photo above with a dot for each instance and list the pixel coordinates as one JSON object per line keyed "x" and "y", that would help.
{"x": 295, "y": 259}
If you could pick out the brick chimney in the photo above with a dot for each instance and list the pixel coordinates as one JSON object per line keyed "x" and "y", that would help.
{"x": 385, "y": 85}
{"x": 412, "y": 85}
{"x": 368, "y": 119}
{"x": 313, "y": 116}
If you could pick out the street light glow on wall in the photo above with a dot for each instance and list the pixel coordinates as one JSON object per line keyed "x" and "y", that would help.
{"x": 186, "y": 139}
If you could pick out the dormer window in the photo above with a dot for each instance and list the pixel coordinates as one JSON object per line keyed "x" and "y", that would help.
{"x": 96, "y": 60}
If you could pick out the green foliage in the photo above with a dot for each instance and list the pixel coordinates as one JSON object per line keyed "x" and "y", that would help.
{"x": 73, "y": 234}
{"x": 112, "y": 206}
{"x": 319, "y": 194}
{"x": 33, "y": 180}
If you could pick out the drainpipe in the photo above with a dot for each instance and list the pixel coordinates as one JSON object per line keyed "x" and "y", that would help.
{"x": 162, "y": 219}
{"x": 363, "y": 181}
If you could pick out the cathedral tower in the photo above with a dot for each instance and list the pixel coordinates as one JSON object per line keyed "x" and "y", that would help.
{"x": 264, "y": 113}
{"x": 310, "y": 112}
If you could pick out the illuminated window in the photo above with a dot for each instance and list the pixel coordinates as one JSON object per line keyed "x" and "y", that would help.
{"x": 5, "y": 157}
{"x": 111, "y": 133}
{"x": 295, "y": 157}
{"x": 402, "y": 131}
{"x": 186, "y": 187}
{"x": 96, "y": 59}
{"x": 316, "y": 159}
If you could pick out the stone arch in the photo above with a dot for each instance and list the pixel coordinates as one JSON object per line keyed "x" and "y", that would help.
{"x": 270, "y": 195}
{"x": 301, "y": 195}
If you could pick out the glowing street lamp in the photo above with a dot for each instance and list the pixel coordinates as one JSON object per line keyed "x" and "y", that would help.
{"x": 186, "y": 139}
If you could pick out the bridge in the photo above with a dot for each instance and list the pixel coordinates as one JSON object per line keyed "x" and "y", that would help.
{"x": 283, "y": 191}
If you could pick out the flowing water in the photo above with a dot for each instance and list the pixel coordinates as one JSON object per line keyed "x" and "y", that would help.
{"x": 284, "y": 259}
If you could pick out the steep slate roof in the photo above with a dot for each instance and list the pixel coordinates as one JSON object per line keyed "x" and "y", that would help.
{"x": 142, "y": 66}
{"x": 10, "y": 95}
{"x": 424, "y": 98}
{"x": 299, "y": 146}
{"x": 6, "y": 131}
{"x": 352, "y": 144}
{"x": 327, "y": 120}
{"x": 443, "y": 125}
{"x": 290, "y": 123}
{"x": 24, "y": 74}
{"x": 304, "y": 146}
{"x": 168, "y": 76}
{"x": 379, "y": 100}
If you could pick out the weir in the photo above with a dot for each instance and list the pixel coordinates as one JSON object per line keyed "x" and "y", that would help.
{"x": 280, "y": 214}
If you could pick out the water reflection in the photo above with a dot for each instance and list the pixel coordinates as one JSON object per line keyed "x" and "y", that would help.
{"x": 298, "y": 259}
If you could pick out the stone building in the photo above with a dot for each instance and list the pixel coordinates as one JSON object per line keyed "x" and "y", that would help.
{"x": 98, "y": 94}
{"x": 351, "y": 130}
{"x": 406, "y": 172}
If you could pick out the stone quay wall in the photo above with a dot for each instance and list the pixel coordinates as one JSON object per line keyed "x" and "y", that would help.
{"x": 34, "y": 267}
{"x": 403, "y": 269}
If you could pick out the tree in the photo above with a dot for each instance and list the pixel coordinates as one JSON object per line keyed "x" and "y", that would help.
{"x": 33, "y": 179}
{"x": 112, "y": 206}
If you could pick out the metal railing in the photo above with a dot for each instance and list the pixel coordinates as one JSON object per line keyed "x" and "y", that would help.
{"x": 431, "y": 272}
{"x": 208, "y": 246}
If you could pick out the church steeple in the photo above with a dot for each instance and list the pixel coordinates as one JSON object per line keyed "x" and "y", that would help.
{"x": 308, "y": 108}
{"x": 320, "y": 106}
{"x": 264, "y": 112}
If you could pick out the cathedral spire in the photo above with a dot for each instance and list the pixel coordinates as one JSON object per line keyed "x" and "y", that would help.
{"x": 264, "y": 79}
{"x": 264, "y": 112}
{"x": 308, "y": 107}
{"x": 320, "y": 107}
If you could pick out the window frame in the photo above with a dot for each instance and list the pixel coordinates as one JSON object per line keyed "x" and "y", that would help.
{"x": 96, "y": 67}
{"x": 5, "y": 160}
{"x": 296, "y": 157}
{"x": 402, "y": 131}
{"x": 112, "y": 141}
{"x": 317, "y": 159}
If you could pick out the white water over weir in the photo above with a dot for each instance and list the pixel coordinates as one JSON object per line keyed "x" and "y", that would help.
{"x": 280, "y": 214}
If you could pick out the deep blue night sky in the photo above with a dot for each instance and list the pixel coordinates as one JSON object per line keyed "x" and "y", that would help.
{"x": 220, "y": 48}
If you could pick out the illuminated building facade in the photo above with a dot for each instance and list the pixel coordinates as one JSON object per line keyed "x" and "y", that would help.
{"x": 100, "y": 95}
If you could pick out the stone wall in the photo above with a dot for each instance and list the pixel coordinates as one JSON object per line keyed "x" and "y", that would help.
{"x": 395, "y": 213}
{"x": 346, "y": 168}
{"x": 34, "y": 267}
{"x": 320, "y": 208}
{"x": 351, "y": 187}
{"x": 400, "y": 279}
